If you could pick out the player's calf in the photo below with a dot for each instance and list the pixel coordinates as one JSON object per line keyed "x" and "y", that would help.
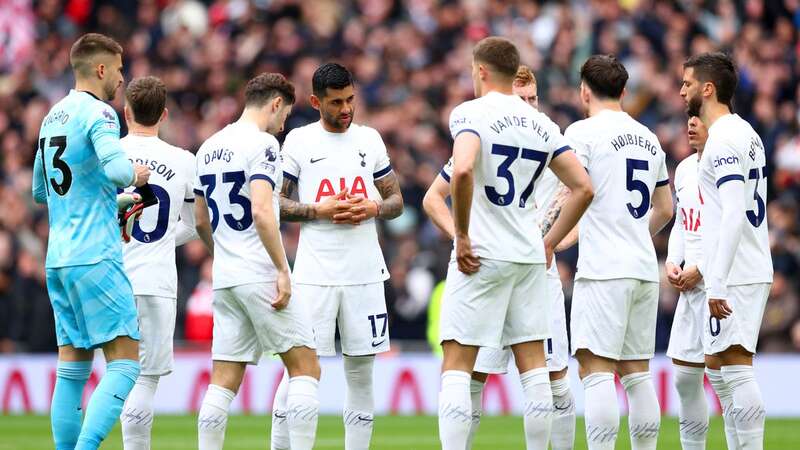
{"x": 562, "y": 434}
{"x": 212, "y": 419}
{"x": 748, "y": 406}
{"x": 693, "y": 410}
{"x": 535, "y": 379}
{"x": 358, "y": 414}
{"x": 302, "y": 397}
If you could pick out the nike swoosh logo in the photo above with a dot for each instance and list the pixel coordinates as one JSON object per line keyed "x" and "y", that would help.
{"x": 365, "y": 419}
{"x": 679, "y": 189}
{"x": 280, "y": 416}
{"x": 375, "y": 344}
{"x": 561, "y": 409}
{"x": 118, "y": 398}
{"x": 317, "y": 160}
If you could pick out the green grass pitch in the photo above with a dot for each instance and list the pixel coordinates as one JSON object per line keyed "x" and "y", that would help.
{"x": 393, "y": 432}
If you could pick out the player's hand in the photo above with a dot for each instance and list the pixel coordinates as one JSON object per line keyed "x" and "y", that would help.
{"x": 468, "y": 263}
{"x": 129, "y": 209}
{"x": 332, "y": 206}
{"x": 674, "y": 275}
{"x": 284, "y": 291}
{"x": 719, "y": 308}
{"x": 689, "y": 278}
{"x": 142, "y": 175}
{"x": 549, "y": 250}
{"x": 361, "y": 209}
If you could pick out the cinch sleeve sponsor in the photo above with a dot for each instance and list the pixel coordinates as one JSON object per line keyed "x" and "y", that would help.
{"x": 461, "y": 122}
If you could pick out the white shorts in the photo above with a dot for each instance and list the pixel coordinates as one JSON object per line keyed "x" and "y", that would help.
{"x": 491, "y": 360}
{"x": 688, "y": 324}
{"x": 156, "y": 327}
{"x": 246, "y": 325}
{"x": 503, "y": 304}
{"x": 742, "y": 326}
{"x": 359, "y": 310}
{"x": 616, "y": 318}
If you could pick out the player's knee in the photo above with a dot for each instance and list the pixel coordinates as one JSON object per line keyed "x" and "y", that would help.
{"x": 302, "y": 361}
{"x": 629, "y": 367}
{"x": 121, "y": 347}
{"x": 480, "y": 376}
{"x": 736, "y": 355}
{"x": 228, "y": 374}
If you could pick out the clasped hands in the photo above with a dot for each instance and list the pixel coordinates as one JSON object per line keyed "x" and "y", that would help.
{"x": 345, "y": 208}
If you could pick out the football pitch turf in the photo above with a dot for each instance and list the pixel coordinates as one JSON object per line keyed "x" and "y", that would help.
{"x": 391, "y": 432}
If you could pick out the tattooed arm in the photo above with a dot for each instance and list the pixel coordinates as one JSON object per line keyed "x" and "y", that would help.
{"x": 292, "y": 210}
{"x": 392, "y": 204}
{"x": 552, "y": 214}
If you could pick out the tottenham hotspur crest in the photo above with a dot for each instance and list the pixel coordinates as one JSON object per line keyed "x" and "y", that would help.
{"x": 362, "y": 155}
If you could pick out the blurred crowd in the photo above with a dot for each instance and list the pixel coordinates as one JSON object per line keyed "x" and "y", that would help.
{"x": 411, "y": 60}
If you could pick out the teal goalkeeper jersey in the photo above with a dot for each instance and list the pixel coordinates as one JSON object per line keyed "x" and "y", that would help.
{"x": 79, "y": 165}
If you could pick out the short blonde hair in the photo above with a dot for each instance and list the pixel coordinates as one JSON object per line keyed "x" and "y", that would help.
{"x": 524, "y": 76}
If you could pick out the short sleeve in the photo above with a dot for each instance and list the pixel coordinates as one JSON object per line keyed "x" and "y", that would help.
{"x": 663, "y": 175}
{"x": 726, "y": 164}
{"x": 289, "y": 157}
{"x": 461, "y": 121}
{"x": 558, "y": 143}
{"x": 579, "y": 144}
{"x": 382, "y": 164}
{"x": 447, "y": 170}
{"x": 198, "y": 184}
{"x": 264, "y": 162}
{"x": 103, "y": 124}
{"x": 190, "y": 164}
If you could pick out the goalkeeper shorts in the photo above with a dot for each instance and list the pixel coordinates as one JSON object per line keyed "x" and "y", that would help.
{"x": 92, "y": 304}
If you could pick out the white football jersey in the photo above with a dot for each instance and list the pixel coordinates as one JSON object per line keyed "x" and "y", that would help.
{"x": 517, "y": 144}
{"x": 687, "y": 210}
{"x": 735, "y": 152}
{"x": 323, "y": 164}
{"x": 150, "y": 255}
{"x": 626, "y": 164}
{"x": 546, "y": 189}
{"x": 226, "y": 164}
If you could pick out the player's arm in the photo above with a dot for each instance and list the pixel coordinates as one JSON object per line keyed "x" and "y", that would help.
{"x": 38, "y": 186}
{"x": 435, "y": 205}
{"x": 662, "y": 208}
{"x": 731, "y": 192}
{"x": 270, "y": 235}
{"x": 553, "y": 211}
{"x": 465, "y": 152}
{"x": 104, "y": 134}
{"x": 570, "y": 171}
{"x": 186, "y": 230}
{"x": 391, "y": 204}
{"x": 675, "y": 252}
{"x": 202, "y": 222}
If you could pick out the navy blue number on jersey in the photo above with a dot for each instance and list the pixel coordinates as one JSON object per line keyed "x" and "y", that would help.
{"x": 512, "y": 154}
{"x": 757, "y": 217}
{"x": 632, "y": 184}
{"x": 714, "y": 326}
{"x": 60, "y": 144}
{"x": 162, "y": 221}
{"x": 237, "y": 179}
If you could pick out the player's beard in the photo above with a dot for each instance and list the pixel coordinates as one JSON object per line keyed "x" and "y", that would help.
{"x": 110, "y": 89}
{"x": 336, "y": 122}
{"x": 693, "y": 106}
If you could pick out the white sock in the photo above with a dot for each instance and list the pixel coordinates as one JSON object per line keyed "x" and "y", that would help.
{"x": 693, "y": 409}
{"x": 455, "y": 410}
{"x": 562, "y": 434}
{"x": 279, "y": 433}
{"x": 601, "y": 411}
{"x": 538, "y": 413}
{"x": 359, "y": 405}
{"x": 303, "y": 404}
{"x": 213, "y": 417}
{"x": 644, "y": 414}
{"x": 748, "y": 406}
{"x": 476, "y": 398}
{"x": 137, "y": 414}
{"x": 726, "y": 400}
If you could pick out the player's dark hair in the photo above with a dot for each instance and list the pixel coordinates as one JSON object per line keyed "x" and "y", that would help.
{"x": 500, "y": 54}
{"x": 146, "y": 97}
{"x": 330, "y": 75}
{"x": 605, "y": 76}
{"x": 88, "y": 46}
{"x": 716, "y": 68}
{"x": 267, "y": 86}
